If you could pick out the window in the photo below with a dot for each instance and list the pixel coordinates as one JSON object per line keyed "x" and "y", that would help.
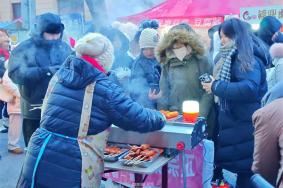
{"x": 16, "y": 8}
{"x": 70, "y": 6}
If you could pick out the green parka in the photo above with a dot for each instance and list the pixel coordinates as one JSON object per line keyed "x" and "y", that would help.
{"x": 180, "y": 79}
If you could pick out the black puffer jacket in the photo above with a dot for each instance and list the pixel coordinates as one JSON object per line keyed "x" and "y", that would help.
{"x": 243, "y": 97}
{"x": 33, "y": 63}
{"x": 261, "y": 51}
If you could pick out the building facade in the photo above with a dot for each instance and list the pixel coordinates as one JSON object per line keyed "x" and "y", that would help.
{"x": 11, "y": 9}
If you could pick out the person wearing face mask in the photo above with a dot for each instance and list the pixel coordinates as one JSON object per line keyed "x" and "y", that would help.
{"x": 32, "y": 64}
{"x": 238, "y": 86}
{"x": 182, "y": 58}
{"x": 145, "y": 74}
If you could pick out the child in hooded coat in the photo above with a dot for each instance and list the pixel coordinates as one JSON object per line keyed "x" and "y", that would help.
{"x": 146, "y": 70}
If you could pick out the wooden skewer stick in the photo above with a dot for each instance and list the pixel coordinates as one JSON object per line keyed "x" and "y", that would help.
{"x": 139, "y": 161}
{"x": 133, "y": 160}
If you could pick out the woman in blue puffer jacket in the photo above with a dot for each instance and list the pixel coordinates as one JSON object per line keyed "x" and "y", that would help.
{"x": 239, "y": 85}
{"x": 57, "y": 155}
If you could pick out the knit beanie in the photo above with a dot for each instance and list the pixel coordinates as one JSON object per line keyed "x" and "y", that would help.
{"x": 98, "y": 47}
{"x": 129, "y": 29}
{"x": 183, "y": 26}
{"x": 276, "y": 50}
{"x": 149, "y": 38}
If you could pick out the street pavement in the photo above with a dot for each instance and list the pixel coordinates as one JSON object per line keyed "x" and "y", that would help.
{"x": 10, "y": 167}
{"x": 10, "y": 164}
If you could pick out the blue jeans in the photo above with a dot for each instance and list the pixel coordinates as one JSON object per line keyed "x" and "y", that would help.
{"x": 3, "y": 110}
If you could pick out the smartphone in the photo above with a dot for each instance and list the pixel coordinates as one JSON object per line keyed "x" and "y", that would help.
{"x": 205, "y": 78}
{"x": 156, "y": 88}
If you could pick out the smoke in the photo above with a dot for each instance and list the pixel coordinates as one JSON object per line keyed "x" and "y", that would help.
{"x": 74, "y": 26}
{"x": 122, "y": 8}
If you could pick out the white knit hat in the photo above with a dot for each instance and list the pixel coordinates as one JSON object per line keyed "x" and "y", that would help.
{"x": 129, "y": 29}
{"x": 97, "y": 46}
{"x": 149, "y": 38}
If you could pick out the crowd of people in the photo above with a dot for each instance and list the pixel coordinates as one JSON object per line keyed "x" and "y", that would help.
{"x": 65, "y": 97}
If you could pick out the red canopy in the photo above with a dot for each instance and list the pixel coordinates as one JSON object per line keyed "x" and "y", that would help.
{"x": 198, "y": 13}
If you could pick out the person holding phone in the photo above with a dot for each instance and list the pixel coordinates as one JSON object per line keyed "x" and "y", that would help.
{"x": 239, "y": 84}
{"x": 182, "y": 58}
{"x": 144, "y": 81}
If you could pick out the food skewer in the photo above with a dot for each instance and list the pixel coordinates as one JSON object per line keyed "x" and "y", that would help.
{"x": 139, "y": 161}
{"x": 139, "y": 154}
{"x": 132, "y": 160}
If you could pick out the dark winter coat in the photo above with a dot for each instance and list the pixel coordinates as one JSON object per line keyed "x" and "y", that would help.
{"x": 243, "y": 97}
{"x": 60, "y": 166}
{"x": 145, "y": 76}
{"x": 261, "y": 52}
{"x": 30, "y": 63}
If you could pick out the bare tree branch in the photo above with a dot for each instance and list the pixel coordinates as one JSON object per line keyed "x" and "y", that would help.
{"x": 98, "y": 13}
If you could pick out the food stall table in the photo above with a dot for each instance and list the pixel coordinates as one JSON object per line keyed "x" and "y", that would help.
{"x": 168, "y": 138}
{"x": 141, "y": 173}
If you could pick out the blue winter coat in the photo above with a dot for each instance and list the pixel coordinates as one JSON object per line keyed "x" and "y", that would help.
{"x": 30, "y": 62}
{"x": 145, "y": 76}
{"x": 274, "y": 93}
{"x": 243, "y": 95}
{"x": 60, "y": 165}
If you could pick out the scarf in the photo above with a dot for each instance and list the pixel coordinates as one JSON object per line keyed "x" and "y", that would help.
{"x": 223, "y": 70}
{"x": 93, "y": 62}
{"x": 226, "y": 52}
{"x": 4, "y": 53}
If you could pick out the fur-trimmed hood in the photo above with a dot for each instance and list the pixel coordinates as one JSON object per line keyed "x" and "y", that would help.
{"x": 180, "y": 35}
{"x": 276, "y": 50}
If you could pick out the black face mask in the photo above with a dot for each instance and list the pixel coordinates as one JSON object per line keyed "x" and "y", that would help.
{"x": 40, "y": 41}
{"x": 51, "y": 42}
{"x": 279, "y": 38}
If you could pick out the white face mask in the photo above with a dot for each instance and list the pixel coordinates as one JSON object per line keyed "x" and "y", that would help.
{"x": 181, "y": 53}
